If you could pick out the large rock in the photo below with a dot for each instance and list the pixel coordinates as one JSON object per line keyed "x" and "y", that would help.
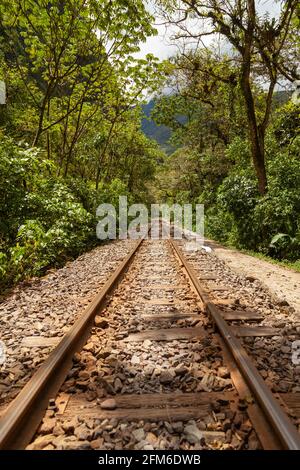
{"x": 82, "y": 433}
{"x": 139, "y": 434}
{"x": 40, "y": 442}
{"x": 135, "y": 360}
{"x": 47, "y": 426}
{"x": 166, "y": 376}
{"x": 109, "y": 404}
{"x": 152, "y": 438}
{"x": 177, "y": 426}
{"x": 181, "y": 371}
{"x": 70, "y": 425}
{"x": 192, "y": 434}
{"x": 100, "y": 322}
{"x": 118, "y": 385}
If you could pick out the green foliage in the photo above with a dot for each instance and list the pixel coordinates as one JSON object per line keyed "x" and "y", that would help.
{"x": 223, "y": 179}
{"x": 46, "y": 219}
{"x": 283, "y": 244}
{"x": 19, "y": 167}
{"x": 70, "y": 134}
{"x": 238, "y": 152}
{"x": 238, "y": 137}
{"x": 219, "y": 224}
{"x": 238, "y": 195}
{"x": 288, "y": 124}
{"x": 42, "y": 223}
{"x": 257, "y": 221}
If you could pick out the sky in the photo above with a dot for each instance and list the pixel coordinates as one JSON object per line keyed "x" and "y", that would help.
{"x": 160, "y": 45}
{"x": 157, "y": 45}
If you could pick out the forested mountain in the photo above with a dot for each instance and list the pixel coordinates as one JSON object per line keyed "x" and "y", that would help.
{"x": 161, "y": 134}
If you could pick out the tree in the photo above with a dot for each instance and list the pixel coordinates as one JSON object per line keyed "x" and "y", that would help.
{"x": 70, "y": 134}
{"x": 204, "y": 108}
{"x": 69, "y": 54}
{"x": 256, "y": 42}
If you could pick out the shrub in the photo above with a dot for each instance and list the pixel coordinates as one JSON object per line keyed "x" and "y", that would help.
{"x": 42, "y": 222}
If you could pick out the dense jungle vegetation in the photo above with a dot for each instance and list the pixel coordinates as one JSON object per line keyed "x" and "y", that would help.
{"x": 71, "y": 135}
{"x": 239, "y": 144}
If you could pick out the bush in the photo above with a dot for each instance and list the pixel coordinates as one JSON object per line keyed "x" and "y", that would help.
{"x": 218, "y": 224}
{"x": 44, "y": 219}
{"x": 238, "y": 196}
{"x": 44, "y": 243}
{"x": 20, "y": 168}
{"x": 269, "y": 224}
{"x": 283, "y": 246}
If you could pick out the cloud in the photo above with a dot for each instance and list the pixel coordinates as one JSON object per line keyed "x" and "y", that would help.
{"x": 157, "y": 45}
{"x": 161, "y": 46}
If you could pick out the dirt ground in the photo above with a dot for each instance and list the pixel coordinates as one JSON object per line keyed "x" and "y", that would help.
{"x": 282, "y": 282}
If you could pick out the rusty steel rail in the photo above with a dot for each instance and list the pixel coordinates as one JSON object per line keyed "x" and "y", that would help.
{"x": 23, "y": 416}
{"x": 280, "y": 422}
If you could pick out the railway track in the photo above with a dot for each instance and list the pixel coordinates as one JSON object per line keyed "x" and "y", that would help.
{"x": 154, "y": 362}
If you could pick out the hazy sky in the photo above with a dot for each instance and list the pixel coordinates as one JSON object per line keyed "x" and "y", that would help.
{"x": 160, "y": 44}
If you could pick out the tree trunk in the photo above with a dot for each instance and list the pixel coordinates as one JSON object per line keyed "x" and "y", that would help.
{"x": 43, "y": 108}
{"x": 257, "y": 134}
{"x": 98, "y": 177}
{"x": 258, "y": 157}
{"x": 40, "y": 124}
{"x": 257, "y": 140}
{"x": 48, "y": 134}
